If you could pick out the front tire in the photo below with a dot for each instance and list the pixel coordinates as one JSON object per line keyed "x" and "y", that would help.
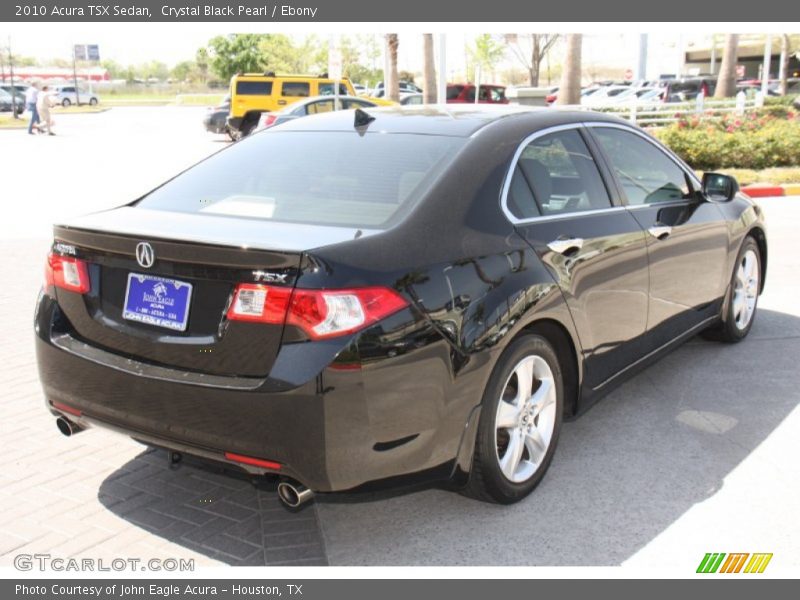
{"x": 520, "y": 422}
{"x": 742, "y": 299}
{"x": 66, "y": 102}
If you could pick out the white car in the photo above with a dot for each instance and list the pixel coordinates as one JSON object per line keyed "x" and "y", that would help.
{"x": 65, "y": 95}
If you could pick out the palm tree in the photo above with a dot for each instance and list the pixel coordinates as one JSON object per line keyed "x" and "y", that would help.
{"x": 570, "y": 89}
{"x": 392, "y": 80}
{"x": 786, "y": 51}
{"x": 726, "y": 82}
{"x": 428, "y": 70}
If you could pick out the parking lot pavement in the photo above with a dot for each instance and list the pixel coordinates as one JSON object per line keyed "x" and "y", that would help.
{"x": 696, "y": 454}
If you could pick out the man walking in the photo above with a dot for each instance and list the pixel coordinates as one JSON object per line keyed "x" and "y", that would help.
{"x": 31, "y": 96}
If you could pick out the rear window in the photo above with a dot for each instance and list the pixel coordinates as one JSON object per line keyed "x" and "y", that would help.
{"x": 312, "y": 177}
{"x": 254, "y": 88}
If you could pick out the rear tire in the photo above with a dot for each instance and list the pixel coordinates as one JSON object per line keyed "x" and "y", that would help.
{"x": 66, "y": 103}
{"x": 520, "y": 422}
{"x": 742, "y": 299}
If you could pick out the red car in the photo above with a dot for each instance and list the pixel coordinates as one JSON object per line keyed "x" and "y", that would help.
{"x": 464, "y": 93}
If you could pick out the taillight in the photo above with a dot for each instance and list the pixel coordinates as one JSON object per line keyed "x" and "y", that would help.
{"x": 66, "y": 273}
{"x": 269, "y": 120}
{"x": 319, "y": 313}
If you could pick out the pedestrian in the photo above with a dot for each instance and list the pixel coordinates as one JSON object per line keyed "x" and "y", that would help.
{"x": 31, "y": 95}
{"x": 43, "y": 104}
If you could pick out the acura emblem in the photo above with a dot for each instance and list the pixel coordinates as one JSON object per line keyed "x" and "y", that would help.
{"x": 145, "y": 255}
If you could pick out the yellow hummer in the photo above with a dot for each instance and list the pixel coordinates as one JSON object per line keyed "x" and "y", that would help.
{"x": 255, "y": 93}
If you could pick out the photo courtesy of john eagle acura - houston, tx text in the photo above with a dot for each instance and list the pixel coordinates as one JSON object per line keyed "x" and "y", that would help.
{"x": 393, "y": 295}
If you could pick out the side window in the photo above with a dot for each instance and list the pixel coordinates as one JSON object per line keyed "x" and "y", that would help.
{"x": 470, "y": 95}
{"x": 327, "y": 89}
{"x": 646, "y": 173}
{"x": 556, "y": 174}
{"x": 454, "y": 91}
{"x": 323, "y": 106}
{"x": 357, "y": 104}
{"x": 296, "y": 89}
{"x": 254, "y": 88}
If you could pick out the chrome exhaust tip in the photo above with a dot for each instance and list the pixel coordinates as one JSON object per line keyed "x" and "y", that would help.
{"x": 294, "y": 494}
{"x": 66, "y": 427}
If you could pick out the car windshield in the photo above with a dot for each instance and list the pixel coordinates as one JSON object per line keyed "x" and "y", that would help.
{"x": 312, "y": 177}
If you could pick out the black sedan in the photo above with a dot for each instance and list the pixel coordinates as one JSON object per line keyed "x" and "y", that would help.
{"x": 215, "y": 119}
{"x": 396, "y": 295}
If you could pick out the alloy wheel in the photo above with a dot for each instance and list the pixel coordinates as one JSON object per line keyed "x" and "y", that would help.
{"x": 525, "y": 419}
{"x": 745, "y": 290}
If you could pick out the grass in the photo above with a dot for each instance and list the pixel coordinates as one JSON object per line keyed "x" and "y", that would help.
{"x": 9, "y": 122}
{"x": 156, "y": 98}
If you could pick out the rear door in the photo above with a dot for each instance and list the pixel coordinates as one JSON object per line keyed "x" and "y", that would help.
{"x": 292, "y": 91}
{"x": 687, "y": 236}
{"x": 557, "y": 199}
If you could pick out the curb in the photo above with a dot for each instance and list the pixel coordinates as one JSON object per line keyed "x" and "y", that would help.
{"x": 762, "y": 191}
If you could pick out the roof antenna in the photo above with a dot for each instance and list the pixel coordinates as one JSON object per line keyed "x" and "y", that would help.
{"x": 362, "y": 119}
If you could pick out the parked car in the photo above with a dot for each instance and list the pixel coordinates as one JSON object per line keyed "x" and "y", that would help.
{"x": 411, "y": 99}
{"x": 253, "y": 94}
{"x": 18, "y": 93}
{"x": 8, "y": 103}
{"x": 215, "y": 120}
{"x": 420, "y": 295}
{"x": 688, "y": 88}
{"x": 65, "y": 95}
{"x": 406, "y": 87}
{"x": 606, "y": 95}
{"x": 313, "y": 106}
{"x": 460, "y": 93}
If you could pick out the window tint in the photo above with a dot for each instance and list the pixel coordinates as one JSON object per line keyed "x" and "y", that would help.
{"x": 647, "y": 174}
{"x": 357, "y": 104}
{"x": 322, "y": 106}
{"x": 556, "y": 174}
{"x": 326, "y": 89}
{"x": 296, "y": 89}
{"x": 454, "y": 91}
{"x": 254, "y": 88}
{"x": 319, "y": 177}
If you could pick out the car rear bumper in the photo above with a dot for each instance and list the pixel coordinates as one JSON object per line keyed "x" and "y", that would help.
{"x": 347, "y": 426}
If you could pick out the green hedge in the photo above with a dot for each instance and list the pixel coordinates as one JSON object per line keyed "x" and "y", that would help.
{"x": 759, "y": 140}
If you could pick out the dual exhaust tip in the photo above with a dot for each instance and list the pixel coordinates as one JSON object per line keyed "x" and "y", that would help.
{"x": 67, "y": 427}
{"x": 292, "y": 494}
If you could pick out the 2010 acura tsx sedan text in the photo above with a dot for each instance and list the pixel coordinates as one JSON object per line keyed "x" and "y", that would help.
{"x": 364, "y": 299}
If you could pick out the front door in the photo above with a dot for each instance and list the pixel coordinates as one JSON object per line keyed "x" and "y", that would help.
{"x": 687, "y": 237}
{"x": 594, "y": 248}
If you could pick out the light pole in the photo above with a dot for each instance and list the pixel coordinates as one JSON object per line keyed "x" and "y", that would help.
{"x": 767, "y": 64}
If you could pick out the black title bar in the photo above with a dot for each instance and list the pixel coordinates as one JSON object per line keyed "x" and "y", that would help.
{"x": 438, "y": 11}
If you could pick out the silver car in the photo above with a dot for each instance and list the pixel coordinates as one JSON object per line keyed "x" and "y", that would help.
{"x": 311, "y": 106}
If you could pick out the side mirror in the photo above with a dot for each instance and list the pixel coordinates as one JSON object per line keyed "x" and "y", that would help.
{"x": 717, "y": 186}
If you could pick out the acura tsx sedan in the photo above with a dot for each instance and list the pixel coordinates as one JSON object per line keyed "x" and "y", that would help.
{"x": 363, "y": 299}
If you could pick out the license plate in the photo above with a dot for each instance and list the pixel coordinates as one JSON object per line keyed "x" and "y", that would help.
{"x": 157, "y": 301}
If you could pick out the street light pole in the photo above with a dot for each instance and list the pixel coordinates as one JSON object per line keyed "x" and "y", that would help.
{"x": 11, "y": 74}
{"x": 767, "y": 64}
{"x": 75, "y": 75}
{"x": 441, "y": 91}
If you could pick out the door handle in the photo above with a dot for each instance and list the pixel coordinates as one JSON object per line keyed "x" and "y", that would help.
{"x": 563, "y": 245}
{"x": 660, "y": 232}
{"x": 282, "y": 102}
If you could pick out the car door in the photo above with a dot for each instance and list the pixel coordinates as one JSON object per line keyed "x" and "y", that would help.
{"x": 596, "y": 251}
{"x": 687, "y": 236}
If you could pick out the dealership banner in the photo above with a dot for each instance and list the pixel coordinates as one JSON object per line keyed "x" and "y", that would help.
{"x": 346, "y": 589}
{"x": 443, "y": 11}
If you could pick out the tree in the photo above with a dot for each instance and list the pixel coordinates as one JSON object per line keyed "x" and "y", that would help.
{"x": 392, "y": 80}
{"x": 726, "y": 81}
{"x": 530, "y": 50}
{"x": 570, "y": 89}
{"x": 201, "y": 59}
{"x": 786, "y": 52}
{"x": 183, "y": 71}
{"x": 428, "y": 70}
{"x": 236, "y": 53}
{"x": 485, "y": 52}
